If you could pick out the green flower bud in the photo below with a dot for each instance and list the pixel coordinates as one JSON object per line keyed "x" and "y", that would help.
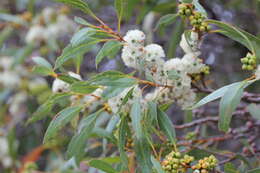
{"x": 203, "y": 28}
{"x": 244, "y": 60}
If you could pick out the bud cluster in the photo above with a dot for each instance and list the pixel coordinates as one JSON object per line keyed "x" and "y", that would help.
{"x": 249, "y": 62}
{"x": 205, "y": 165}
{"x": 185, "y": 9}
{"x": 176, "y": 163}
{"x": 197, "y": 20}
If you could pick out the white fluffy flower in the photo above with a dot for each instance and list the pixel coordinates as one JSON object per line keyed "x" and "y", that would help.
{"x": 192, "y": 64}
{"x": 191, "y": 46}
{"x": 174, "y": 64}
{"x": 116, "y": 101}
{"x": 154, "y": 62}
{"x": 154, "y": 52}
{"x": 61, "y": 86}
{"x": 132, "y": 56}
{"x": 257, "y": 73}
{"x": 36, "y": 34}
{"x": 135, "y": 38}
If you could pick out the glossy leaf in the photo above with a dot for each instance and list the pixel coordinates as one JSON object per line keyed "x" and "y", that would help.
{"x": 166, "y": 126}
{"x": 136, "y": 116}
{"x": 82, "y": 35}
{"x": 73, "y": 51}
{"x": 77, "y": 144}
{"x": 214, "y": 95}
{"x": 157, "y": 165}
{"x": 102, "y": 165}
{"x": 60, "y": 120}
{"x": 108, "y": 48}
{"x": 42, "y": 62}
{"x": 228, "y": 104}
{"x": 166, "y": 20}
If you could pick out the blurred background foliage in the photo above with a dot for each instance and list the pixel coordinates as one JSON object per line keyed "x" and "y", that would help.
{"x": 19, "y": 99}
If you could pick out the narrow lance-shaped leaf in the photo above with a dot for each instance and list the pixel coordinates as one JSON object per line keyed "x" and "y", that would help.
{"x": 78, "y": 141}
{"x": 42, "y": 62}
{"x": 108, "y": 48}
{"x": 122, "y": 135}
{"x": 73, "y": 51}
{"x": 45, "y": 109}
{"x": 102, "y": 165}
{"x": 228, "y": 104}
{"x": 120, "y": 6}
{"x": 250, "y": 41}
{"x": 80, "y": 4}
{"x": 214, "y": 95}
{"x": 166, "y": 126}
{"x": 157, "y": 165}
{"x": 166, "y": 20}
{"x": 136, "y": 116}
{"x": 61, "y": 119}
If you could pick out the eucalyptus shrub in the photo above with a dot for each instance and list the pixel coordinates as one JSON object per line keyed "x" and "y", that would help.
{"x": 137, "y": 132}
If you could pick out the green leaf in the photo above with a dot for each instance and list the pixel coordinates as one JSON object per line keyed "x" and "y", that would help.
{"x": 230, "y": 168}
{"x": 122, "y": 135}
{"x": 73, "y": 51}
{"x": 120, "y": 6}
{"x": 67, "y": 78}
{"x": 82, "y": 35}
{"x": 108, "y": 48}
{"x": 175, "y": 38}
{"x": 199, "y": 7}
{"x": 254, "y": 110}
{"x": 157, "y": 165}
{"x": 120, "y": 83}
{"x": 45, "y": 109}
{"x": 228, "y": 104}
{"x": 83, "y": 87}
{"x": 42, "y": 70}
{"x": 213, "y": 96}
{"x": 5, "y": 34}
{"x": 102, "y": 165}
{"x": 257, "y": 170}
{"x": 166, "y": 20}
{"x": 152, "y": 112}
{"x": 136, "y": 116}
{"x": 248, "y": 40}
{"x": 80, "y": 4}
{"x": 110, "y": 92}
{"x": 81, "y": 21}
{"x": 42, "y": 62}
{"x": 144, "y": 154}
{"x": 166, "y": 126}
{"x": 60, "y": 120}
{"x": 77, "y": 144}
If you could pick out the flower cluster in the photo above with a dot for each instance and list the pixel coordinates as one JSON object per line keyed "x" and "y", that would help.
{"x": 50, "y": 24}
{"x": 249, "y": 62}
{"x": 205, "y": 165}
{"x": 176, "y": 163}
{"x": 175, "y": 73}
{"x": 92, "y": 101}
{"x": 117, "y": 103}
